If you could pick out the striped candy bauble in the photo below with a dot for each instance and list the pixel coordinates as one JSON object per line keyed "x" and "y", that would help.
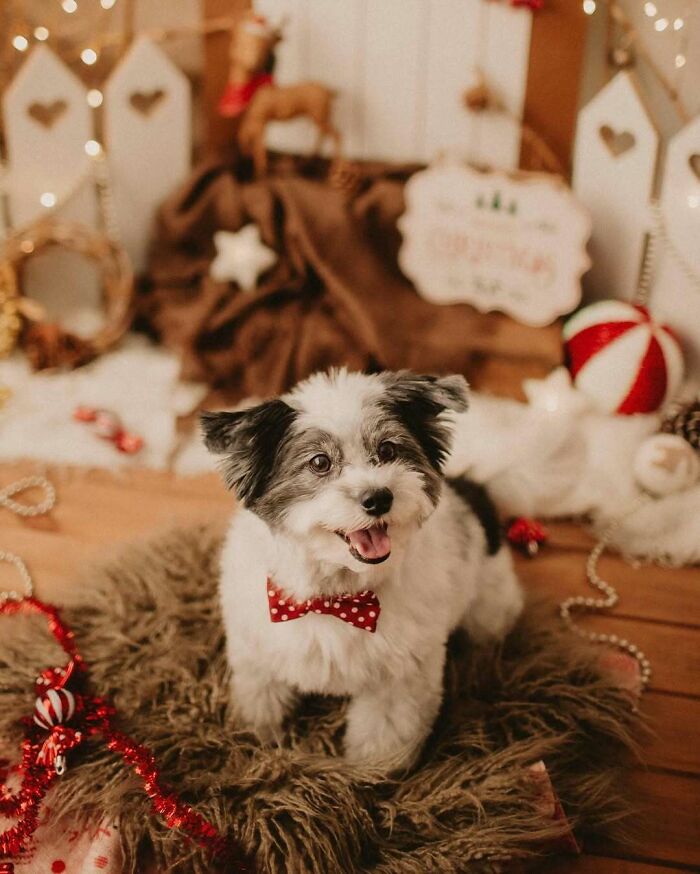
{"x": 621, "y": 359}
{"x": 54, "y": 707}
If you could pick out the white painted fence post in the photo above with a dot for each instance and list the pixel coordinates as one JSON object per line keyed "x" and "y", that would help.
{"x": 148, "y": 138}
{"x": 675, "y": 296}
{"x": 615, "y": 161}
{"x": 47, "y": 123}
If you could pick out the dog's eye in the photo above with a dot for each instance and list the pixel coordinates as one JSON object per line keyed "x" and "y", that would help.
{"x": 320, "y": 463}
{"x": 387, "y": 451}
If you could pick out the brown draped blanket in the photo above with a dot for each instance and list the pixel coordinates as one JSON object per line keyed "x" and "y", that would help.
{"x": 335, "y": 296}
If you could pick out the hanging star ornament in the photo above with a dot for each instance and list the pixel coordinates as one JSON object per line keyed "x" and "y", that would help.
{"x": 241, "y": 257}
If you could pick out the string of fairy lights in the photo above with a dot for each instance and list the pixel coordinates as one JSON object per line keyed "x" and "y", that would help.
{"x": 661, "y": 24}
{"x": 41, "y": 33}
{"x": 653, "y": 12}
{"x": 29, "y": 33}
{"x": 106, "y": 43}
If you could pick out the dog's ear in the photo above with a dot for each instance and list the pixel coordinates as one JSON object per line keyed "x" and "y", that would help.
{"x": 440, "y": 393}
{"x": 418, "y": 401}
{"x": 248, "y": 441}
{"x": 451, "y": 392}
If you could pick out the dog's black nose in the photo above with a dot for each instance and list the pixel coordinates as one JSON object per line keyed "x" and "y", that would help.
{"x": 377, "y": 502}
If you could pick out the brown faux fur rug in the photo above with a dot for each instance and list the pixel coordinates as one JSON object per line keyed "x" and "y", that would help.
{"x": 151, "y": 634}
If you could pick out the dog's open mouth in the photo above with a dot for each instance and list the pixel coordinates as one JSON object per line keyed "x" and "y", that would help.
{"x": 371, "y": 545}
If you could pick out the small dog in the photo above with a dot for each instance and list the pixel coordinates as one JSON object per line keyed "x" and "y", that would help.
{"x": 353, "y": 558}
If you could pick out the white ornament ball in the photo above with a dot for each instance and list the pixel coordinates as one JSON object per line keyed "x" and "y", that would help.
{"x": 666, "y": 463}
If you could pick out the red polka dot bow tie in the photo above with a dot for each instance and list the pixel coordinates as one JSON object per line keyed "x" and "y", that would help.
{"x": 361, "y": 610}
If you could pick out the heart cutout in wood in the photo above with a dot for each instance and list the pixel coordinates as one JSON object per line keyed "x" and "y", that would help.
{"x": 47, "y": 114}
{"x": 146, "y": 101}
{"x": 617, "y": 142}
{"x": 694, "y": 161}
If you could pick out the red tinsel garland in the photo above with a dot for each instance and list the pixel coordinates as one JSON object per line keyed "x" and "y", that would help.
{"x": 44, "y": 748}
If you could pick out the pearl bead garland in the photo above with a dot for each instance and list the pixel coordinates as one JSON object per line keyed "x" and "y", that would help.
{"x": 23, "y": 571}
{"x": 28, "y": 510}
{"x": 581, "y": 604}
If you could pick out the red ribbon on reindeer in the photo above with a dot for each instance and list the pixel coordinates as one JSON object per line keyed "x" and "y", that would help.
{"x": 62, "y": 720}
{"x": 252, "y": 94}
{"x": 237, "y": 95}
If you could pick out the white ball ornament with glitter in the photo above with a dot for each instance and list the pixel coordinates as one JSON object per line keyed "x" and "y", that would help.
{"x": 666, "y": 463}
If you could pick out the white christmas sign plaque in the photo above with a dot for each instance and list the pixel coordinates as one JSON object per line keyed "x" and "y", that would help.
{"x": 515, "y": 243}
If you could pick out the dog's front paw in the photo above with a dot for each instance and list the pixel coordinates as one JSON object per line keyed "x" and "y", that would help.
{"x": 261, "y": 706}
{"x": 385, "y": 734}
{"x": 387, "y": 755}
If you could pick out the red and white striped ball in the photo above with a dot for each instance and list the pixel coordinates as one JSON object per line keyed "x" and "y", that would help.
{"x": 54, "y": 707}
{"x": 621, "y": 359}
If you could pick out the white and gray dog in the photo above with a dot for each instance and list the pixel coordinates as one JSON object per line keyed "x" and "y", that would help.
{"x": 349, "y": 526}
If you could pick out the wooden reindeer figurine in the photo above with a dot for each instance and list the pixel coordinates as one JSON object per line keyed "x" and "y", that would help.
{"x": 252, "y": 92}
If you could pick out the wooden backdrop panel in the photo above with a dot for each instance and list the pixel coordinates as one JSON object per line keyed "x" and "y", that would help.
{"x": 400, "y": 68}
{"x": 552, "y": 64}
{"x": 453, "y": 34}
{"x": 220, "y": 131}
{"x": 393, "y": 91}
{"x": 337, "y": 62}
{"x": 557, "y": 44}
{"x": 505, "y": 64}
{"x": 296, "y": 135}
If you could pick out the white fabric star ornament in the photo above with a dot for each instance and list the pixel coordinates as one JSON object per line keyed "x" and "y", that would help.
{"x": 241, "y": 257}
{"x": 556, "y": 394}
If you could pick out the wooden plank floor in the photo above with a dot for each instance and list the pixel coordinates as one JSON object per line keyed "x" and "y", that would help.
{"x": 659, "y": 609}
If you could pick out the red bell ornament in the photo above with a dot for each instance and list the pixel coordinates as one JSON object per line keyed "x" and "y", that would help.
{"x": 51, "y": 712}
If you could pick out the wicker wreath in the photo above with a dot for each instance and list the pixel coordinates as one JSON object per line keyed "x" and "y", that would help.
{"x": 10, "y": 322}
{"x": 47, "y": 344}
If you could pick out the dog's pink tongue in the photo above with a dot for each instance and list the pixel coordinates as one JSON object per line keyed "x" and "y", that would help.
{"x": 371, "y": 542}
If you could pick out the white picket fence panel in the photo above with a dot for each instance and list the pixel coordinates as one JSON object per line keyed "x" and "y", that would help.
{"x": 616, "y": 174}
{"x": 400, "y": 68}
{"x": 676, "y": 296}
{"x": 616, "y": 150}
{"x": 148, "y": 143}
{"x": 148, "y": 136}
{"x": 47, "y": 123}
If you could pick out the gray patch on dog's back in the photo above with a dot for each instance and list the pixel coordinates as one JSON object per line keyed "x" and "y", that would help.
{"x": 479, "y": 501}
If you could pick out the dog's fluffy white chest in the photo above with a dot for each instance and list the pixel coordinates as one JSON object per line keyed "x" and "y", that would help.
{"x": 422, "y": 599}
